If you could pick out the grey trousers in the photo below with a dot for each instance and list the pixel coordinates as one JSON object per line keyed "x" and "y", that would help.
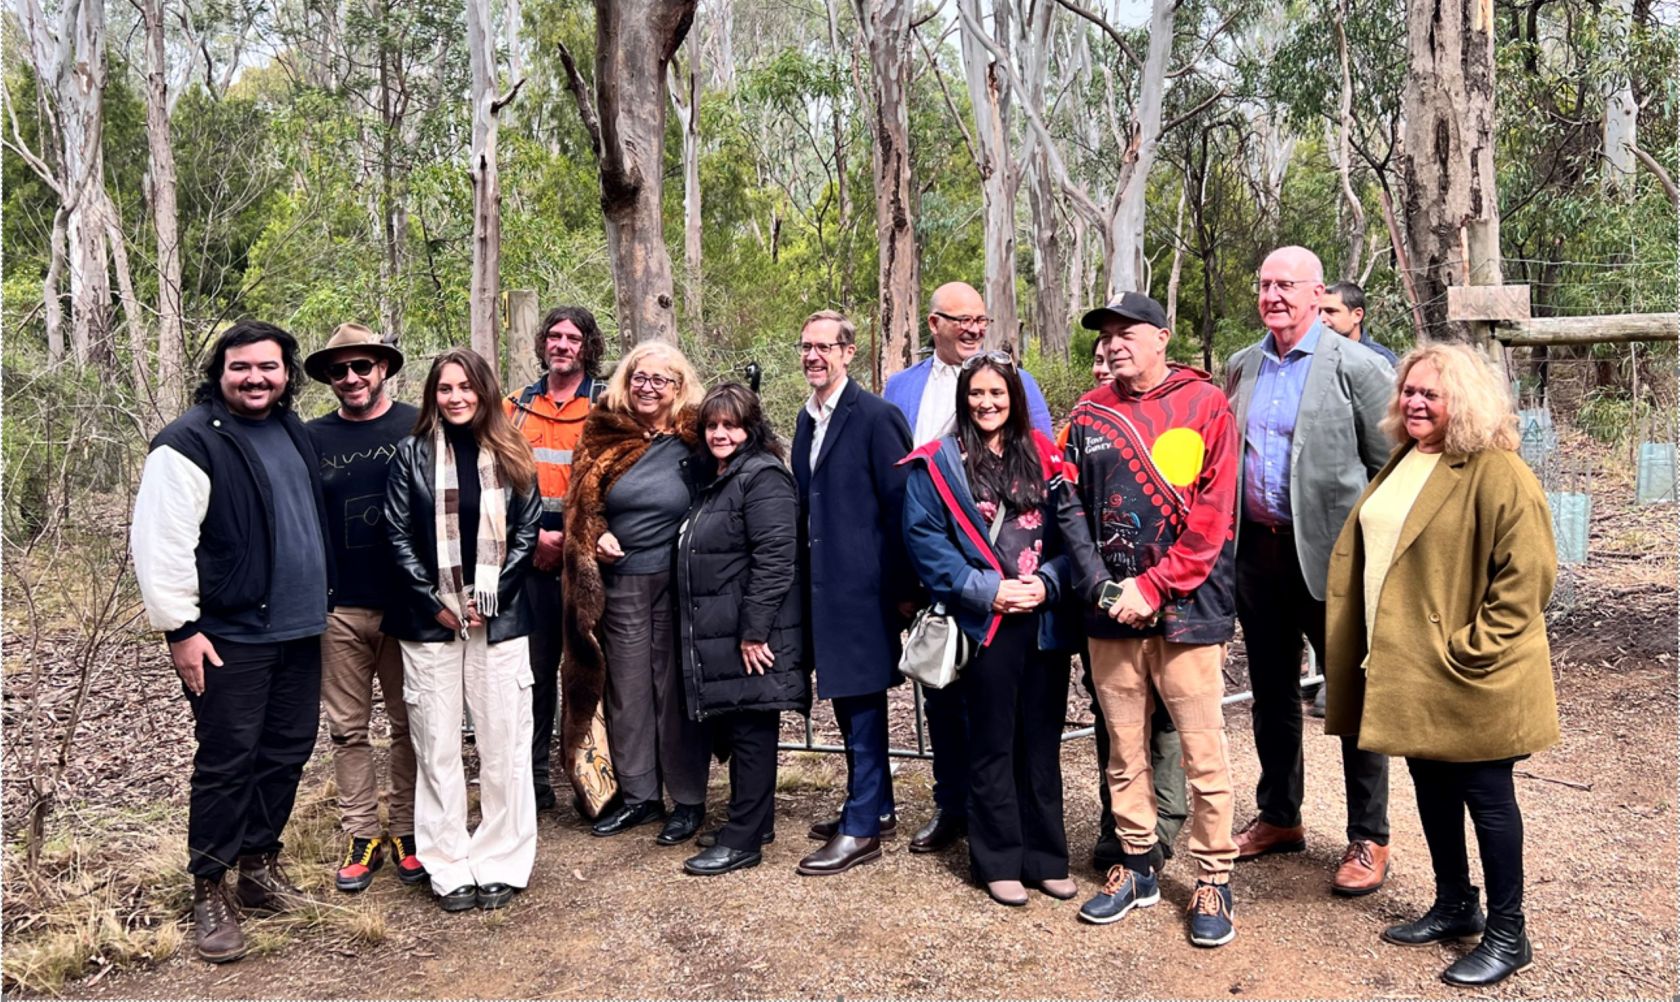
{"x": 648, "y": 727}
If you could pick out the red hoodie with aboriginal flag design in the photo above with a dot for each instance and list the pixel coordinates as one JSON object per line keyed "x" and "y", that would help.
{"x": 1158, "y": 478}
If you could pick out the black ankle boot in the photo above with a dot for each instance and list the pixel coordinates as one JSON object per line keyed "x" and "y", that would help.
{"x": 1503, "y": 952}
{"x": 1446, "y": 919}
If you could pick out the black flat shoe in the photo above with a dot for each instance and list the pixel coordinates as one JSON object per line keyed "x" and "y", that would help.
{"x": 1445, "y": 920}
{"x": 460, "y": 899}
{"x": 684, "y": 822}
{"x": 1504, "y": 951}
{"x": 493, "y": 896}
{"x": 721, "y": 859}
{"x": 943, "y": 829}
{"x": 709, "y": 839}
{"x": 628, "y": 817}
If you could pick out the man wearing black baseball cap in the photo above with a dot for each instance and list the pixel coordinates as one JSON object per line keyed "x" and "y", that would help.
{"x": 1157, "y": 455}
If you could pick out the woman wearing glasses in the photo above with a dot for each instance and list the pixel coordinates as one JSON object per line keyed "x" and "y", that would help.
{"x": 994, "y": 532}
{"x": 628, "y": 494}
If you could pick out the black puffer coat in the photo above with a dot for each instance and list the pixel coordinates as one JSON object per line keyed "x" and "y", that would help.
{"x": 738, "y": 580}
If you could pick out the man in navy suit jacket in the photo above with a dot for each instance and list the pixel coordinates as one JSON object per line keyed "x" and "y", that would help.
{"x": 926, "y": 393}
{"x": 846, "y": 449}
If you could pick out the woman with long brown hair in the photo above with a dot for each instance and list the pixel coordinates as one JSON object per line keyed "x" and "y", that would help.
{"x": 463, "y": 509}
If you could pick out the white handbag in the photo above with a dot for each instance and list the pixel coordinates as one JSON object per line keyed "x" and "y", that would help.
{"x": 936, "y": 648}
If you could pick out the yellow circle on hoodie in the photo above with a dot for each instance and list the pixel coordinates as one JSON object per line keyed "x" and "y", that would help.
{"x": 1178, "y": 453}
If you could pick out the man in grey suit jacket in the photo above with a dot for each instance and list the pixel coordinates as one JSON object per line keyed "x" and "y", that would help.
{"x": 1307, "y": 404}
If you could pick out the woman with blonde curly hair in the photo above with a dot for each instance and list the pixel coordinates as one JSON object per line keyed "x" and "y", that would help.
{"x": 629, "y": 492}
{"x": 1436, "y": 645}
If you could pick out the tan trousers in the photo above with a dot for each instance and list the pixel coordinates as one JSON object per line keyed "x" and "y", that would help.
{"x": 353, "y": 654}
{"x": 495, "y": 681}
{"x": 1190, "y": 683}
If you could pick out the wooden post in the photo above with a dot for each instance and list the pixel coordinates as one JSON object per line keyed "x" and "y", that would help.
{"x": 1480, "y": 307}
{"x": 520, "y": 321}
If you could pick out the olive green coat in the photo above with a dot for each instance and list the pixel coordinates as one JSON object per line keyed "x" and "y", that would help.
{"x": 1459, "y": 668}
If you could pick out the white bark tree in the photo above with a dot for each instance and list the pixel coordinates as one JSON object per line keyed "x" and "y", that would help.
{"x": 170, "y": 381}
{"x": 999, "y": 178}
{"x": 684, "y": 86}
{"x": 485, "y": 284}
{"x": 1621, "y": 110}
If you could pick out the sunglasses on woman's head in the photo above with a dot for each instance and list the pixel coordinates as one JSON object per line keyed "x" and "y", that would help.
{"x": 1002, "y": 358}
{"x": 338, "y": 370}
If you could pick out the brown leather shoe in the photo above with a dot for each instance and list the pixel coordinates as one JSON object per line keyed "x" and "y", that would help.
{"x": 839, "y": 854}
{"x": 1260, "y": 839}
{"x": 264, "y": 886}
{"x": 1363, "y": 870}
{"x": 216, "y": 931}
{"x": 822, "y": 831}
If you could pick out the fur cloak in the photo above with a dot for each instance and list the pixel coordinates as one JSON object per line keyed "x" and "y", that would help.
{"x": 612, "y": 442}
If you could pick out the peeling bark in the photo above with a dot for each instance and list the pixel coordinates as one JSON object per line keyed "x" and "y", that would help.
{"x": 885, "y": 25}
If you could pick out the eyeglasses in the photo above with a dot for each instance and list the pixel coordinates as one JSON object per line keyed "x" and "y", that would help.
{"x": 979, "y": 321}
{"x": 1002, "y": 358}
{"x": 642, "y": 379}
{"x": 807, "y": 347}
{"x": 360, "y": 366}
{"x": 1281, "y": 285}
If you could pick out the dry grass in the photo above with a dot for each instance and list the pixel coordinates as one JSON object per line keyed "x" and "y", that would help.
{"x": 111, "y": 892}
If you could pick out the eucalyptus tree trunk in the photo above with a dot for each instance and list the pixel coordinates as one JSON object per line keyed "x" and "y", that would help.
{"x": 1050, "y": 299}
{"x": 485, "y": 286}
{"x": 1124, "y": 240}
{"x": 1355, "y": 219}
{"x": 170, "y": 383}
{"x": 1621, "y": 111}
{"x": 1450, "y": 204}
{"x": 687, "y": 82}
{"x": 989, "y": 97}
{"x": 885, "y": 25}
{"x": 634, "y": 43}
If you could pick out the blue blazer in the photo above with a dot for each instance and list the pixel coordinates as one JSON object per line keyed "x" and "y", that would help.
{"x": 851, "y": 503}
{"x": 904, "y": 391}
{"x": 950, "y": 549}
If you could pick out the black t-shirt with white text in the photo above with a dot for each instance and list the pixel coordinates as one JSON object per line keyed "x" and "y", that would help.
{"x": 355, "y": 458}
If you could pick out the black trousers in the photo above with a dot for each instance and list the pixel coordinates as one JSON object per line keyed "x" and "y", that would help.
{"x": 255, "y": 724}
{"x": 542, "y": 591}
{"x": 1444, "y": 790}
{"x": 1017, "y": 699}
{"x": 947, "y": 724}
{"x": 751, "y": 737}
{"x": 1276, "y": 611}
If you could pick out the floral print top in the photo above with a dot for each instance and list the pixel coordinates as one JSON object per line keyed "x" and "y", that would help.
{"x": 1021, "y": 539}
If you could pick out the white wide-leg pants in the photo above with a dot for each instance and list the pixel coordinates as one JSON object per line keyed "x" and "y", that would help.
{"x": 496, "y": 679}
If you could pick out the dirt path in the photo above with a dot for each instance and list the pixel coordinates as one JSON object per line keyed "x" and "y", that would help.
{"x": 615, "y": 917}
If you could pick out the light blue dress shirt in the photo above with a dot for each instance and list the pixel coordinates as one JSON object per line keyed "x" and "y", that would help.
{"x": 1271, "y": 429}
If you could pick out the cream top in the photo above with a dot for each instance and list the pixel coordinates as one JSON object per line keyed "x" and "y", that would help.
{"x": 1381, "y": 518}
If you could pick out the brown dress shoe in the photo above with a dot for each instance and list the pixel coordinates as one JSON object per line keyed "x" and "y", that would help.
{"x": 1363, "y": 870}
{"x": 264, "y": 886}
{"x": 822, "y": 831}
{"x": 1261, "y": 838}
{"x": 216, "y": 931}
{"x": 839, "y": 854}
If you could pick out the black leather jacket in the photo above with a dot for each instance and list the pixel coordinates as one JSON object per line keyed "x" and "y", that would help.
{"x": 409, "y": 511}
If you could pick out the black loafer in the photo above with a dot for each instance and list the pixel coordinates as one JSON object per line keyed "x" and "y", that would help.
{"x": 493, "y": 896}
{"x": 460, "y": 899}
{"x": 628, "y": 817}
{"x": 943, "y": 829}
{"x": 710, "y": 839}
{"x": 684, "y": 822}
{"x": 721, "y": 859}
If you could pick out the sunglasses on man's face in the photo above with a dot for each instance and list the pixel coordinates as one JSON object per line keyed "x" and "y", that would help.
{"x": 338, "y": 370}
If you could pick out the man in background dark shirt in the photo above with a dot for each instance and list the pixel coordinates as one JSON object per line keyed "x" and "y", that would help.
{"x": 356, "y": 443}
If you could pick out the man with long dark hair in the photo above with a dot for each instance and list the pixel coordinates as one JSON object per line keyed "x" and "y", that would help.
{"x": 234, "y": 566}
{"x": 550, "y": 414}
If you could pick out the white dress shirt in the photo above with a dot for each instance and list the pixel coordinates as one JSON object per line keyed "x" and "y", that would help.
{"x": 820, "y": 414}
{"x": 937, "y": 414}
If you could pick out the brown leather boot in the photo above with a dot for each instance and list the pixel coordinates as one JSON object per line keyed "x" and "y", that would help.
{"x": 265, "y": 888}
{"x": 215, "y": 922}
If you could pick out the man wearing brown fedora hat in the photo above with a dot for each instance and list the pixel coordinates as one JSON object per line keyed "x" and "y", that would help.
{"x": 356, "y": 443}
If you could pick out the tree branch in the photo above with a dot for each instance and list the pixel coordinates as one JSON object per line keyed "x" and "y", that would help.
{"x": 1210, "y": 101}
{"x": 950, "y": 105}
{"x": 580, "y": 92}
{"x": 506, "y": 99}
{"x": 1109, "y": 29}
{"x": 1655, "y": 168}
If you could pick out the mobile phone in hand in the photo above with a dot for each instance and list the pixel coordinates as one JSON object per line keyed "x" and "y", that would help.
{"x": 1108, "y": 594}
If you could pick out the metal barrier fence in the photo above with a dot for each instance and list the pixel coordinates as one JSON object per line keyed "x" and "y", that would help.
{"x": 1311, "y": 676}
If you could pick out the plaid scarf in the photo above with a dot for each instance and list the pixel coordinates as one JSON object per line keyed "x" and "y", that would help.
{"x": 492, "y": 530}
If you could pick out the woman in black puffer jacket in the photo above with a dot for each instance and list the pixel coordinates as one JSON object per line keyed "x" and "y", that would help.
{"x": 738, "y": 596}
